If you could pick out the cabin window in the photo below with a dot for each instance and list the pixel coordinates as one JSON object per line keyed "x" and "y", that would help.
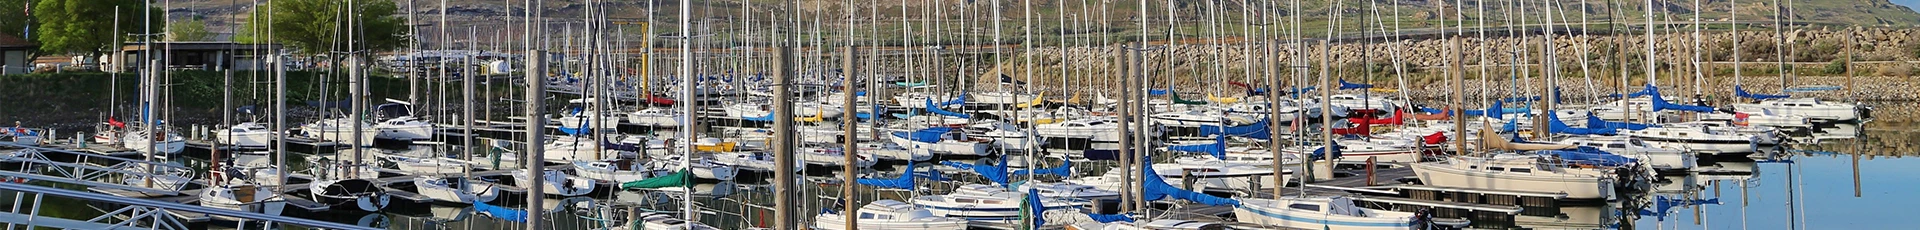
{"x": 1473, "y": 167}
{"x": 1496, "y": 169}
{"x": 966, "y": 201}
{"x": 866, "y": 216}
{"x": 1616, "y": 145}
{"x": 992, "y": 201}
{"x": 1593, "y": 144}
{"x": 1520, "y": 170}
{"x": 884, "y": 217}
{"x": 1308, "y": 207}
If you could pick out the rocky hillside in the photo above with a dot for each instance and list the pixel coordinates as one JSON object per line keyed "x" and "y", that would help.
{"x": 1415, "y": 13}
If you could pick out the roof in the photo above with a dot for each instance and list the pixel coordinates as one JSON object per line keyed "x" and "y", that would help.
{"x": 9, "y": 41}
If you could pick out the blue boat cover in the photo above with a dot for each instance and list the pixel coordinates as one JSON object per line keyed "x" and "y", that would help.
{"x": 1257, "y": 130}
{"x": 1304, "y": 90}
{"x": 1319, "y": 152}
{"x": 1589, "y": 155}
{"x": 1064, "y": 170}
{"x": 1741, "y": 92}
{"x": 910, "y": 113}
{"x": 935, "y": 109}
{"x": 1110, "y": 218}
{"x": 905, "y": 181}
{"x": 577, "y": 131}
{"x": 1034, "y": 208}
{"x": 1662, "y": 104}
{"x": 928, "y": 135}
{"x": 1431, "y": 110}
{"x": 1554, "y": 125}
{"x": 932, "y": 175}
{"x": 1157, "y": 189}
{"x": 1157, "y": 92}
{"x": 1344, "y": 85}
{"x": 996, "y": 172}
{"x": 504, "y": 213}
{"x": 617, "y": 146}
{"x": 957, "y": 100}
{"x": 1218, "y": 149}
{"x": 765, "y": 118}
{"x": 1596, "y": 122}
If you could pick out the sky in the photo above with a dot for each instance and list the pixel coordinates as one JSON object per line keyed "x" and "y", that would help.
{"x": 1908, "y": 3}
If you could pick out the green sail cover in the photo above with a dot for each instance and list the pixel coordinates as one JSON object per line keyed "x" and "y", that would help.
{"x": 1177, "y": 100}
{"x": 682, "y": 178}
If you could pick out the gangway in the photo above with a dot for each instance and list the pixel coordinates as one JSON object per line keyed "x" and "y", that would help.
{"x": 140, "y": 213}
{"x": 128, "y": 174}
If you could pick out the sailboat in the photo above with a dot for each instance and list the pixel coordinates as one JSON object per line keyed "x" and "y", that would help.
{"x": 246, "y": 135}
{"x": 1326, "y": 213}
{"x": 983, "y": 202}
{"x": 166, "y": 143}
{"x": 241, "y": 195}
{"x": 336, "y": 188}
{"x": 340, "y": 130}
{"x": 890, "y": 214}
{"x": 403, "y": 125}
{"x": 941, "y": 140}
{"x": 557, "y": 184}
{"x": 453, "y": 190}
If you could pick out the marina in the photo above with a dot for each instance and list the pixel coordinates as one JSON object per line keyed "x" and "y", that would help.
{"x": 1079, "y": 115}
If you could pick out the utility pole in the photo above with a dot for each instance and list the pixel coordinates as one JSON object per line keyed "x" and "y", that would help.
{"x": 784, "y": 203}
{"x": 536, "y": 127}
{"x": 847, "y": 186}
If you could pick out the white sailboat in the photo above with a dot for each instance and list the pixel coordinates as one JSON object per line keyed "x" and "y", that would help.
{"x": 1324, "y": 213}
{"x": 453, "y": 190}
{"x": 1517, "y": 172}
{"x": 983, "y": 202}
{"x": 248, "y": 134}
{"x": 557, "y": 184}
{"x": 890, "y": 214}
{"x": 242, "y": 195}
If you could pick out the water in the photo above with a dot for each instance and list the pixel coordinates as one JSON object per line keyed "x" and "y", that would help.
{"x": 1808, "y": 186}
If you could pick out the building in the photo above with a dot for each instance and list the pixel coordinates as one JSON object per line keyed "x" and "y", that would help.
{"x": 197, "y": 55}
{"x": 15, "y": 55}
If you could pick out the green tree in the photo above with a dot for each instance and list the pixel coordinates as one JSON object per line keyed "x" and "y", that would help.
{"x": 317, "y": 26}
{"x": 85, "y": 25}
{"x": 13, "y": 18}
{"x": 187, "y": 30}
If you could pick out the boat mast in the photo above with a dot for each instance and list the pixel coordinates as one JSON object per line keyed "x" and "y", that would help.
{"x": 686, "y": 95}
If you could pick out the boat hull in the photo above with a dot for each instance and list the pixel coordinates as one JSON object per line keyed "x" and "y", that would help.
{"x": 1585, "y": 188}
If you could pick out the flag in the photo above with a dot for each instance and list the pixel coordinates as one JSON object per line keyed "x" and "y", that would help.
{"x": 116, "y": 123}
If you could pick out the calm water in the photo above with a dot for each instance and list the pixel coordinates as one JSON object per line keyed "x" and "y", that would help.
{"x": 1809, "y": 186}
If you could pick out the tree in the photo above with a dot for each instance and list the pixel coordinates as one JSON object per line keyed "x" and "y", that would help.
{"x": 86, "y": 25}
{"x": 13, "y": 18}
{"x": 317, "y": 26}
{"x": 188, "y": 30}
